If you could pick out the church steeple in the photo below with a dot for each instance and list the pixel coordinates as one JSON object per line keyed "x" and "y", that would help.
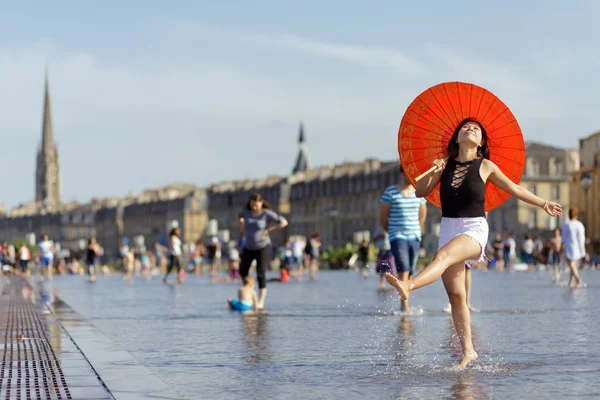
{"x": 47, "y": 134}
{"x": 302, "y": 163}
{"x": 47, "y": 175}
{"x": 301, "y": 134}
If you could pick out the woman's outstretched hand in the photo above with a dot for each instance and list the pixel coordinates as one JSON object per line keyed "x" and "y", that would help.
{"x": 553, "y": 209}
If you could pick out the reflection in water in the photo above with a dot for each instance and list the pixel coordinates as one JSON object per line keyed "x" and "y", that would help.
{"x": 465, "y": 388}
{"x": 361, "y": 351}
{"x": 396, "y": 346}
{"x": 256, "y": 338}
{"x": 405, "y": 330}
{"x": 45, "y": 289}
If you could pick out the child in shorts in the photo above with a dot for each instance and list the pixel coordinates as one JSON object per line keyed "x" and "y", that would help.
{"x": 247, "y": 299}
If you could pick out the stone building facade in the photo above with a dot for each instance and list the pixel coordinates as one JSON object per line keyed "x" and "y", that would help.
{"x": 585, "y": 188}
{"x": 343, "y": 199}
{"x": 337, "y": 201}
{"x": 109, "y": 226}
{"x": 152, "y": 214}
{"x": 546, "y": 174}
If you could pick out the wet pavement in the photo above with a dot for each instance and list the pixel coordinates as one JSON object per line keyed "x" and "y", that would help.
{"x": 117, "y": 368}
{"x": 39, "y": 358}
{"x": 52, "y": 352}
{"x": 340, "y": 337}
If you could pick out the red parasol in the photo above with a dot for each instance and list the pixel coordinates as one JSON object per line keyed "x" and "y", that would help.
{"x": 431, "y": 119}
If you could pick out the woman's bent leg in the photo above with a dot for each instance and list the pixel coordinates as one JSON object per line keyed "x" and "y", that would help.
{"x": 458, "y": 250}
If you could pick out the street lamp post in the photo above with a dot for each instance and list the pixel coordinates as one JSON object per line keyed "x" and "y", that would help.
{"x": 586, "y": 182}
{"x": 333, "y": 213}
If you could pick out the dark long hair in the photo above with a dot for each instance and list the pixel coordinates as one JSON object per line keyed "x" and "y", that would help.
{"x": 482, "y": 151}
{"x": 256, "y": 197}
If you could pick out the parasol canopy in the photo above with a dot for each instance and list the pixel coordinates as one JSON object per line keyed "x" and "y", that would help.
{"x": 430, "y": 121}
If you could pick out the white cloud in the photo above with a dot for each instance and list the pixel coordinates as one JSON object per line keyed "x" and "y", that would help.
{"x": 360, "y": 55}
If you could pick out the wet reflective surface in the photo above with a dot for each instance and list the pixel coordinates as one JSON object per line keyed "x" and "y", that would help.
{"x": 116, "y": 367}
{"x": 39, "y": 359}
{"x": 340, "y": 338}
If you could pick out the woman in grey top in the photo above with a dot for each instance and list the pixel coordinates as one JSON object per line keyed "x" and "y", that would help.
{"x": 257, "y": 221}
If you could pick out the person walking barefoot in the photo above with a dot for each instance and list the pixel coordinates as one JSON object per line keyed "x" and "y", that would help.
{"x": 402, "y": 215}
{"x": 257, "y": 221}
{"x": 573, "y": 234}
{"x": 464, "y": 229}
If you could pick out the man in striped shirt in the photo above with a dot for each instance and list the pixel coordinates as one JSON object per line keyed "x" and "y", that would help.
{"x": 402, "y": 214}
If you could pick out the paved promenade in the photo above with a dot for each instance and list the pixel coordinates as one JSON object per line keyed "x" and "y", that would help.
{"x": 50, "y": 351}
{"x": 39, "y": 359}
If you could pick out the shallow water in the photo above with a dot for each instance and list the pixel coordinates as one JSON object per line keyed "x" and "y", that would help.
{"x": 342, "y": 338}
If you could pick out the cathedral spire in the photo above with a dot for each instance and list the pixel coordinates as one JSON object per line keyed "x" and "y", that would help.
{"x": 301, "y": 138}
{"x": 47, "y": 134}
{"x": 47, "y": 173}
{"x": 302, "y": 163}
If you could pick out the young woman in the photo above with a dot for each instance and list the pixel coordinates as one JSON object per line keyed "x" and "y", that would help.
{"x": 256, "y": 222}
{"x": 174, "y": 254}
{"x": 464, "y": 229}
{"x": 92, "y": 252}
{"x": 314, "y": 254}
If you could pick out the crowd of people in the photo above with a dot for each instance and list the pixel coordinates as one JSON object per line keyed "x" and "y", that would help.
{"x": 463, "y": 241}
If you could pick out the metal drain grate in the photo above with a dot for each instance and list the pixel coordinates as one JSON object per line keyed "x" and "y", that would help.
{"x": 30, "y": 368}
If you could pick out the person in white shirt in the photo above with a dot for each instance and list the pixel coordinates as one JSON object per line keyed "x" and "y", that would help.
{"x": 46, "y": 252}
{"x": 527, "y": 248}
{"x": 174, "y": 254}
{"x": 573, "y": 238}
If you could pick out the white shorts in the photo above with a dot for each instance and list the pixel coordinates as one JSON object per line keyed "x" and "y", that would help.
{"x": 476, "y": 228}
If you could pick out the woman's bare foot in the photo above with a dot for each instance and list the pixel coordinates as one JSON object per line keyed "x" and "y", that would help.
{"x": 467, "y": 358}
{"x": 472, "y": 309}
{"x": 402, "y": 287}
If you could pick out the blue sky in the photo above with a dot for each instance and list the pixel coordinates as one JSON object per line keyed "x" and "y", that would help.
{"x": 147, "y": 93}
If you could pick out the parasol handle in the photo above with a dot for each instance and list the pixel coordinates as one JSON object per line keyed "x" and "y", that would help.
{"x": 424, "y": 174}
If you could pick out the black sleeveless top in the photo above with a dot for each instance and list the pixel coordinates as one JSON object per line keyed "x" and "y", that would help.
{"x": 462, "y": 191}
{"x": 91, "y": 255}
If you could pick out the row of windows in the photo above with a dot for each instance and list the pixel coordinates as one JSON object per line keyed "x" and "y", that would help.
{"x": 24, "y": 224}
{"x": 77, "y": 232}
{"x": 555, "y": 191}
{"x": 335, "y": 187}
{"x": 504, "y": 220}
{"x": 77, "y": 218}
{"x": 330, "y": 187}
{"x": 551, "y": 222}
{"x": 226, "y": 200}
{"x": 154, "y": 208}
{"x": 555, "y": 167}
{"x": 333, "y": 234}
{"x": 348, "y": 205}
